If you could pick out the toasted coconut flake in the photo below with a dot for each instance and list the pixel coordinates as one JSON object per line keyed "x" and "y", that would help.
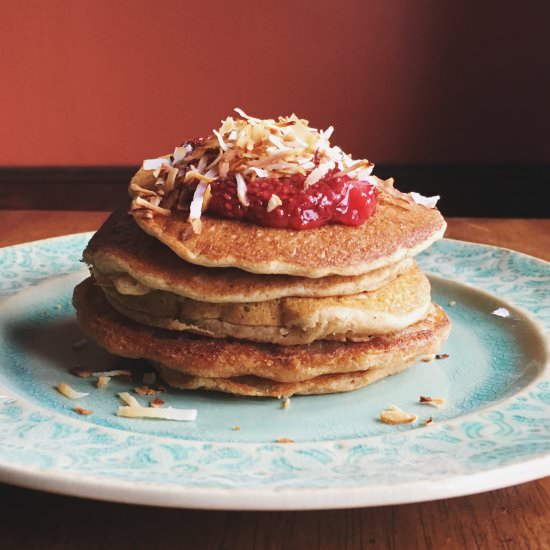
{"x": 129, "y": 399}
{"x": 102, "y": 381}
{"x": 428, "y": 202}
{"x": 223, "y": 145}
{"x": 195, "y": 209}
{"x": 155, "y": 164}
{"x": 284, "y": 440}
{"x": 79, "y": 344}
{"x": 161, "y": 413}
{"x": 207, "y": 197}
{"x": 394, "y": 415}
{"x": 426, "y": 400}
{"x": 241, "y": 190}
{"x": 171, "y": 179}
{"x": 67, "y": 391}
{"x": 274, "y": 202}
{"x": 81, "y": 411}
{"x": 180, "y": 153}
{"x": 138, "y": 190}
{"x": 146, "y": 204}
{"x": 260, "y": 172}
{"x": 317, "y": 174}
{"x": 111, "y": 373}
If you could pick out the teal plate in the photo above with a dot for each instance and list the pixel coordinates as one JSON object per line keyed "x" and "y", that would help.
{"x": 493, "y": 429}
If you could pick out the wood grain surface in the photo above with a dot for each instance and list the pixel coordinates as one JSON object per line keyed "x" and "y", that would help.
{"x": 516, "y": 517}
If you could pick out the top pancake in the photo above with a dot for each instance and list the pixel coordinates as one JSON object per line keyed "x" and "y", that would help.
{"x": 120, "y": 249}
{"x": 391, "y": 234}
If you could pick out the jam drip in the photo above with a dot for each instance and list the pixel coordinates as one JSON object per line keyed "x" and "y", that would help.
{"x": 331, "y": 200}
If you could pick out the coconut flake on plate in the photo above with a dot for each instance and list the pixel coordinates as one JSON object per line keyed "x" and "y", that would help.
{"x": 69, "y": 392}
{"x": 161, "y": 413}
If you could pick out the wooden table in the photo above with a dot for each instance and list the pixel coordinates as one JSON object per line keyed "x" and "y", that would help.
{"x": 517, "y": 517}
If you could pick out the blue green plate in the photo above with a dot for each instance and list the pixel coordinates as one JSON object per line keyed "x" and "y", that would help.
{"x": 493, "y": 429}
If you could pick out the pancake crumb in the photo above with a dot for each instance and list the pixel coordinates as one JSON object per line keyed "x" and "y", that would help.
{"x": 427, "y": 358}
{"x": 157, "y": 402}
{"x": 145, "y": 390}
{"x": 235, "y": 428}
{"x": 452, "y": 303}
{"x": 442, "y": 355}
{"x": 83, "y": 412}
{"x": 284, "y": 440}
{"x": 428, "y": 421}
{"x": 286, "y": 403}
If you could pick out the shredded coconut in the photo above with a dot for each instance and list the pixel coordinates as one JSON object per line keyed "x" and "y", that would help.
{"x": 69, "y": 392}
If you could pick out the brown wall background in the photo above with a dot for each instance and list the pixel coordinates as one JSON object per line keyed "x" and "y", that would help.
{"x": 113, "y": 82}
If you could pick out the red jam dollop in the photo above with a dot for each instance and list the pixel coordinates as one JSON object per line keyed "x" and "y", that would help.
{"x": 330, "y": 200}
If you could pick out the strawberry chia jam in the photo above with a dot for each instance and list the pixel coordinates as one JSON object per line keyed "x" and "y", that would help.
{"x": 331, "y": 200}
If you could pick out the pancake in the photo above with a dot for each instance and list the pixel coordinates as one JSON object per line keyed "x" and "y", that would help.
{"x": 287, "y": 321}
{"x": 254, "y": 386}
{"x": 390, "y": 235}
{"x": 201, "y": 357}
{"x": 121, "y": 254}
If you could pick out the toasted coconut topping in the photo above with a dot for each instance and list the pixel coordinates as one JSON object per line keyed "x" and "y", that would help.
{"x": 284, "y": 440}
{"x": 71, "y": 393}
{"x": 195, "y": 210}
{"x": 162, "y": 413}
{"x": 130, "y": 400}
{"x": 241, "y": 190}
{"x": 428, "y": 202}
{"x": 242, "y": 148}
{"x": 155, "y": 164}
{"x": 111, "y": 373}
{"x": 426, "y": 400}
{"x": 84, "y": 412}
{"x": 394, "y": 415}
{"x": 248, "y": 147}
{"x": 102, "y": 381}
{"x": 274, "y": 202}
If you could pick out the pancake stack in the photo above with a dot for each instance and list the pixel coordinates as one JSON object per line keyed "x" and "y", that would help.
{"x": 263, "y": 311}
